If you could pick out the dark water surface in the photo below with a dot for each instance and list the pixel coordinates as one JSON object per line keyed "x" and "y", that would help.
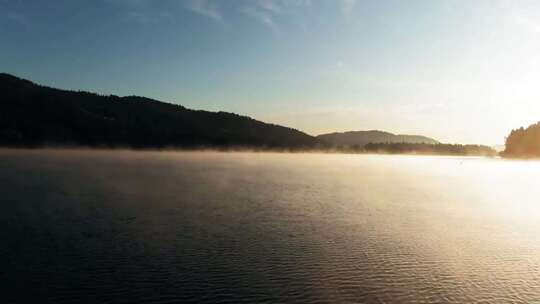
{"x": 167, "y": 227}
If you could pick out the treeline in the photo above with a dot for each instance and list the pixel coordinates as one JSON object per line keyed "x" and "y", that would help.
{"x": 523, "y": 143}
{"x": 354, "y": 139}
{"x": 32, "y": 115}
{"x": 437, "y": 149}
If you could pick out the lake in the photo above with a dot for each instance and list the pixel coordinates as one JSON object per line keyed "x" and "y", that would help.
{"x": 207, "y": 227}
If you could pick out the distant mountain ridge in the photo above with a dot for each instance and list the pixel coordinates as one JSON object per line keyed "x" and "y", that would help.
{"x": 362, "y": 138}
{"x": 34, "y": 115}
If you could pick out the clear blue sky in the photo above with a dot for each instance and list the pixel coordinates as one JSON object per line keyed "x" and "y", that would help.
{"x": 457, "y": 70}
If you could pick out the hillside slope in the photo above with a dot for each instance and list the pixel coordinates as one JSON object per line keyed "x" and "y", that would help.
{"x": 33, "y": 115}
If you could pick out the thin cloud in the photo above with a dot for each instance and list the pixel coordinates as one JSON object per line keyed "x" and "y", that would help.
{"x": 262, "y": 16}
{"x": 279, "y": 6}
{"x": 347, "y": 6}
{"x": 144, "y": 11}
{"x": 266, "y": 11}
{"x": 269, "y": 5}
{"x": 206, "y": 8}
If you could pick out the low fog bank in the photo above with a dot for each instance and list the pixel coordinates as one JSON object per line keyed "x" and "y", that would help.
{"x": 371, "y": 149}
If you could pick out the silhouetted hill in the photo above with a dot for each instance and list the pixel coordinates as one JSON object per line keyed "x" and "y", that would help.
{"x": 361, "y": 138}
{"x": 33, "y": 115}
{"x": 523, "y": 143}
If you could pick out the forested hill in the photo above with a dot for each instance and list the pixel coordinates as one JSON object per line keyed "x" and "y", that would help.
{"x": 523, "y": 142}
{"x": 33, "y": 115}
{"x": 362, "y": 138}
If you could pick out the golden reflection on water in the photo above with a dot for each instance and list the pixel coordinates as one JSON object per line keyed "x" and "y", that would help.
{"x": 275, "y": 227}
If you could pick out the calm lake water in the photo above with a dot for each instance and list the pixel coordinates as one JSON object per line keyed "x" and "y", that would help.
{"x": 179, "y": 227}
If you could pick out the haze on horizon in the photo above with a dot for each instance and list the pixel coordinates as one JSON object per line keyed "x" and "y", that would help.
{"x": 457, "y": 71}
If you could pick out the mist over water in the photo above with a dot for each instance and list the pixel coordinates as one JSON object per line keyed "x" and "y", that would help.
{"x": 180, "y": 227}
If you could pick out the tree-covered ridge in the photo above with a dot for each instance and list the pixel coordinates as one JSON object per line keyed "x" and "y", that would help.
{"x": 33, "y": 115}
{"x": 358, "y": 139}
{"x": 523, "y": 143}
{"x": 438, "y": 149}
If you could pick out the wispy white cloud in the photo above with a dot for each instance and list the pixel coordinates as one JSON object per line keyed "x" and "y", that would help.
{"x": 144, "y": 12}
{"x": 269, "y": 5}
{"x": 267, "y": 11}
{"x": 263, "y": 16}
{"x": 206, "y": 8}
{"x": 347, "y": 6}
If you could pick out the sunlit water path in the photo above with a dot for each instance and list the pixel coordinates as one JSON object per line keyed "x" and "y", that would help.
{"x": 168, "y": 227}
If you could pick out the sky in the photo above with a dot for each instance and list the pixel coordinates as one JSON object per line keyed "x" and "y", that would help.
{"x": 459, "y": 71}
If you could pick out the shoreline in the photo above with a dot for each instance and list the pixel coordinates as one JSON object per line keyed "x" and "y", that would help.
{"x": 242, "y": 150}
